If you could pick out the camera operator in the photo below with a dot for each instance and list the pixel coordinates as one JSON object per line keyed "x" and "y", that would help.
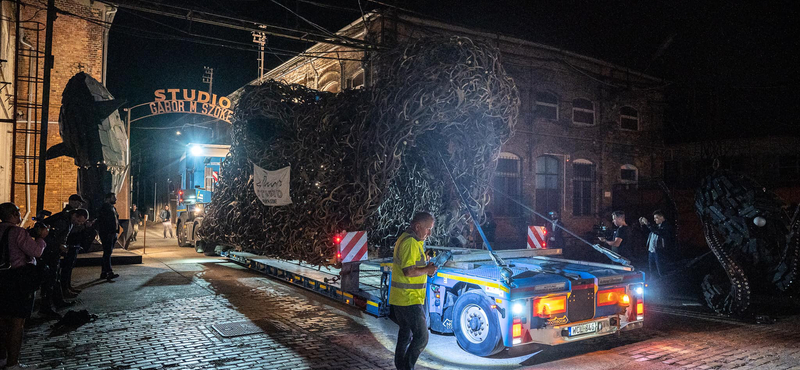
{"x": 18, "y": 278}
{"x": 61, "y": 225}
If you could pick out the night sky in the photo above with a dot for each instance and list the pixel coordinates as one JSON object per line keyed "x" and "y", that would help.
{"x": 744, "y": 54}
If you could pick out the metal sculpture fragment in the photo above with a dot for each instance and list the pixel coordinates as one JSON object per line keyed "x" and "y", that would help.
{"x": 754, "y": 238}
{"x": 94, "y": 135}
{"x": 367, "y": 159}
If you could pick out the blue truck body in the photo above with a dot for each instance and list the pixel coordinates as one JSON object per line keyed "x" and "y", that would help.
{"x": 469, "y": 298}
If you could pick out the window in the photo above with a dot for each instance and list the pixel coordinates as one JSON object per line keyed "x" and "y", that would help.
{"x": 583, "y": 178}
{"x": 583, "y": 112}
{"x": 629, "y": 119}
{"x": 548, "y": 192}
{"x": 547, "y": 105}
{"x": 628, "y": 174}
{"x": 507, "y": 179}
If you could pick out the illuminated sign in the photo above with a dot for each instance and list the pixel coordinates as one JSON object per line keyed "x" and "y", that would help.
{"x": 187, "y": 101}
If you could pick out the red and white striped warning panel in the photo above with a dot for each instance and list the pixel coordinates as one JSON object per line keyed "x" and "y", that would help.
{"x": 536, "y": 239}
{"x": 353, "y": 246}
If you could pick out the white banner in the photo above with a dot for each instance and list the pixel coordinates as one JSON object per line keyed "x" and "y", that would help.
{"x": 272, "y": 187}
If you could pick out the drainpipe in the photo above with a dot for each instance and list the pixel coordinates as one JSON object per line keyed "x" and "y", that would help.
{"x": 31, "y": 97}
{"x": 108, "y": 17}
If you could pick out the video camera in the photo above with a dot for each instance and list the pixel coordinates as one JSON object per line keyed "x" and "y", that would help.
{"x": 39, "y": 227}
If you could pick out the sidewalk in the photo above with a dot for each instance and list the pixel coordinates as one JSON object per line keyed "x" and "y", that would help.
{"x": 159, "y": 314}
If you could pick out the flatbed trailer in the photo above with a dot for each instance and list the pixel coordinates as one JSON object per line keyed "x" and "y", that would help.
{"x": 549, "y": 301}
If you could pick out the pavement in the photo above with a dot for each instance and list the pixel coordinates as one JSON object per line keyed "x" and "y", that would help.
{"x": 162, "y": 314}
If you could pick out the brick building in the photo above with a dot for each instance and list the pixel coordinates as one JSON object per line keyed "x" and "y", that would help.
{"x": 79, "y": 44}
{"x": 585, "y": 125}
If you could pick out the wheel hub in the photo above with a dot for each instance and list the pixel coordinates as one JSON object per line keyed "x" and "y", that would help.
{"x": 475, "y": 323}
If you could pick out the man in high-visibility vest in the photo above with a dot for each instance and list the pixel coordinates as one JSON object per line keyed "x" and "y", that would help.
{"x": 410, "y": 269}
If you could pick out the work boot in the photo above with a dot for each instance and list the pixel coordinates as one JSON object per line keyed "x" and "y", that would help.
{"x": 69, "y": 294}
{"x": 110, "y": 276}
{"x": 63, "y": 304}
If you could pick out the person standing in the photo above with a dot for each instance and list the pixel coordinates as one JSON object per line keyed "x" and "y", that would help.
{"x": 80, "y": 235}
{"x": 410, "y": 269}
{"x": 19, "y": 249}
{"x": 61, "y": 224}
{"x": 658, "y": 240}
{"x": 108, "y": 229}
{"x": 166, "y": 221}
{"x": 136, "y": 219}
{"x": 555, "y": 232}
{"x": 620, "y": 242}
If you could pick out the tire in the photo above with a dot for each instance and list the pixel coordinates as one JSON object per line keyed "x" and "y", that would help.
{"x": 181, "y": 235}
{"x": 475, "y": 325}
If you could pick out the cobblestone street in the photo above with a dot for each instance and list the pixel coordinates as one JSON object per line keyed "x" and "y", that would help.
{"x": 159, "y": 315}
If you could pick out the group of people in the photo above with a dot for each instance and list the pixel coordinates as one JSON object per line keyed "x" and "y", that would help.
{"x": 42, "y": 259}
{"x": 660, "y": 238}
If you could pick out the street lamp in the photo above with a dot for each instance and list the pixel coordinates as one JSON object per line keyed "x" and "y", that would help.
{"x": 177, "y": 133}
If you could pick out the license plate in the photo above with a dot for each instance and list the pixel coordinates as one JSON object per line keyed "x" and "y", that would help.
{"x": 590, "y": 327}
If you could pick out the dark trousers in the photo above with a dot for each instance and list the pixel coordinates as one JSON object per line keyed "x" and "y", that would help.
{"x": 652, "y": 259}
{"x": 67, "y": 264}
{"x": 412, "y": 336}
{"x": 51, "y": 287}
{"x": 108, "y": 246}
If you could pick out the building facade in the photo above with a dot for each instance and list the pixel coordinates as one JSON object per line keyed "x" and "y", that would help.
{"x": 80, "y": 39}
{"x": 585, "y": 125}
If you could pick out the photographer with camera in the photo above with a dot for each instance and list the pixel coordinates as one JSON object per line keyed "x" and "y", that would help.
{"x": 61, "y": 225}
{"x": 18, "y": 279}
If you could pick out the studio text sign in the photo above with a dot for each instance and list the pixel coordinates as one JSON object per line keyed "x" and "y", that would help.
{"x": 189, "y": 101}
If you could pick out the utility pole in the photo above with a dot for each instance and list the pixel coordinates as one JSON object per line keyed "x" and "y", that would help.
{"x": 208, "y": 78}
{"x": 260, "y": 38}
{"x": 45, "y": 121}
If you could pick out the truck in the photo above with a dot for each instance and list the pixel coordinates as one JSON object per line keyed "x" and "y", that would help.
{"x": 200, "y": 167}
{"x": 545, "y": 299}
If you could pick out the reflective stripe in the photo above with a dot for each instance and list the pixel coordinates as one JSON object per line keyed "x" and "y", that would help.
{"x": 421, "y": 263}
{"x": 396, "y": 284}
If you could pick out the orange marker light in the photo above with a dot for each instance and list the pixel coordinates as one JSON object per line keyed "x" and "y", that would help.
{"x": 516, "y": 330}
{"x": 640, "y": 308}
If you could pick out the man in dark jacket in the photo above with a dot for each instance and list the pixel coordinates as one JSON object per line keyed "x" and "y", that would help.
{"x": 108, "y": 229}
{"x": 61, "y": 224}
{"x": 658, "y": 240}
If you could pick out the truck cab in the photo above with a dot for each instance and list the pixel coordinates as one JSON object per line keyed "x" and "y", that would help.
{"x": 200, "y": 171}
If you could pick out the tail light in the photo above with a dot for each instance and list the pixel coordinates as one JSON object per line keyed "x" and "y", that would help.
{"x": 612, "y": 296}
{"x": 516, "y": 330}
{"x": 545, "y": 307}
{"x": 639, "y": 309}
{"x": 337, "y": 239}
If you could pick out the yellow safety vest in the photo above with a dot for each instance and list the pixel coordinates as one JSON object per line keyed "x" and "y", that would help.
{"x": 407, "y": 291}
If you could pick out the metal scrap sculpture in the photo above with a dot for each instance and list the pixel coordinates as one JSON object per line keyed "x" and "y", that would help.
{"x": 366, "y": 159}
{"x": 755, "y": 240}
{"x": 92, "y": 133}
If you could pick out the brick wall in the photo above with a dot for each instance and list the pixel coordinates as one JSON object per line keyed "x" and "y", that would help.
{"x": 77, "y": 47}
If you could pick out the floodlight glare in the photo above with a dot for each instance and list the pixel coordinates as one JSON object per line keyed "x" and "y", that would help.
{"x": 196, "y": 150}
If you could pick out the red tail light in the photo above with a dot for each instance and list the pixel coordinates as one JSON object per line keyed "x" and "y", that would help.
{"x": 612, "y": 296}
{"x": 337, "y": 239}
{"x": 545, "y": 307}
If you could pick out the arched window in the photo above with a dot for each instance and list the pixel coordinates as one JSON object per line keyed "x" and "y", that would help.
{"x": 629, "y": 119}
{"x": 548, "y": 191}
{"x": 582, "y": 112}
{"x": 332, "y": 86}
{"x": 508, "y": 179}
{"x": 357, "y": 82}
{"x": 583, "y": 179}
{"x": 628, "y": 174}
{"x": 547, "y": 105}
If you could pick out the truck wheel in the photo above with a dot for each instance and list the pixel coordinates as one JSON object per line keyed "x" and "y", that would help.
{"x": 475, "y": 325}
{"x": 181, "y": 234}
